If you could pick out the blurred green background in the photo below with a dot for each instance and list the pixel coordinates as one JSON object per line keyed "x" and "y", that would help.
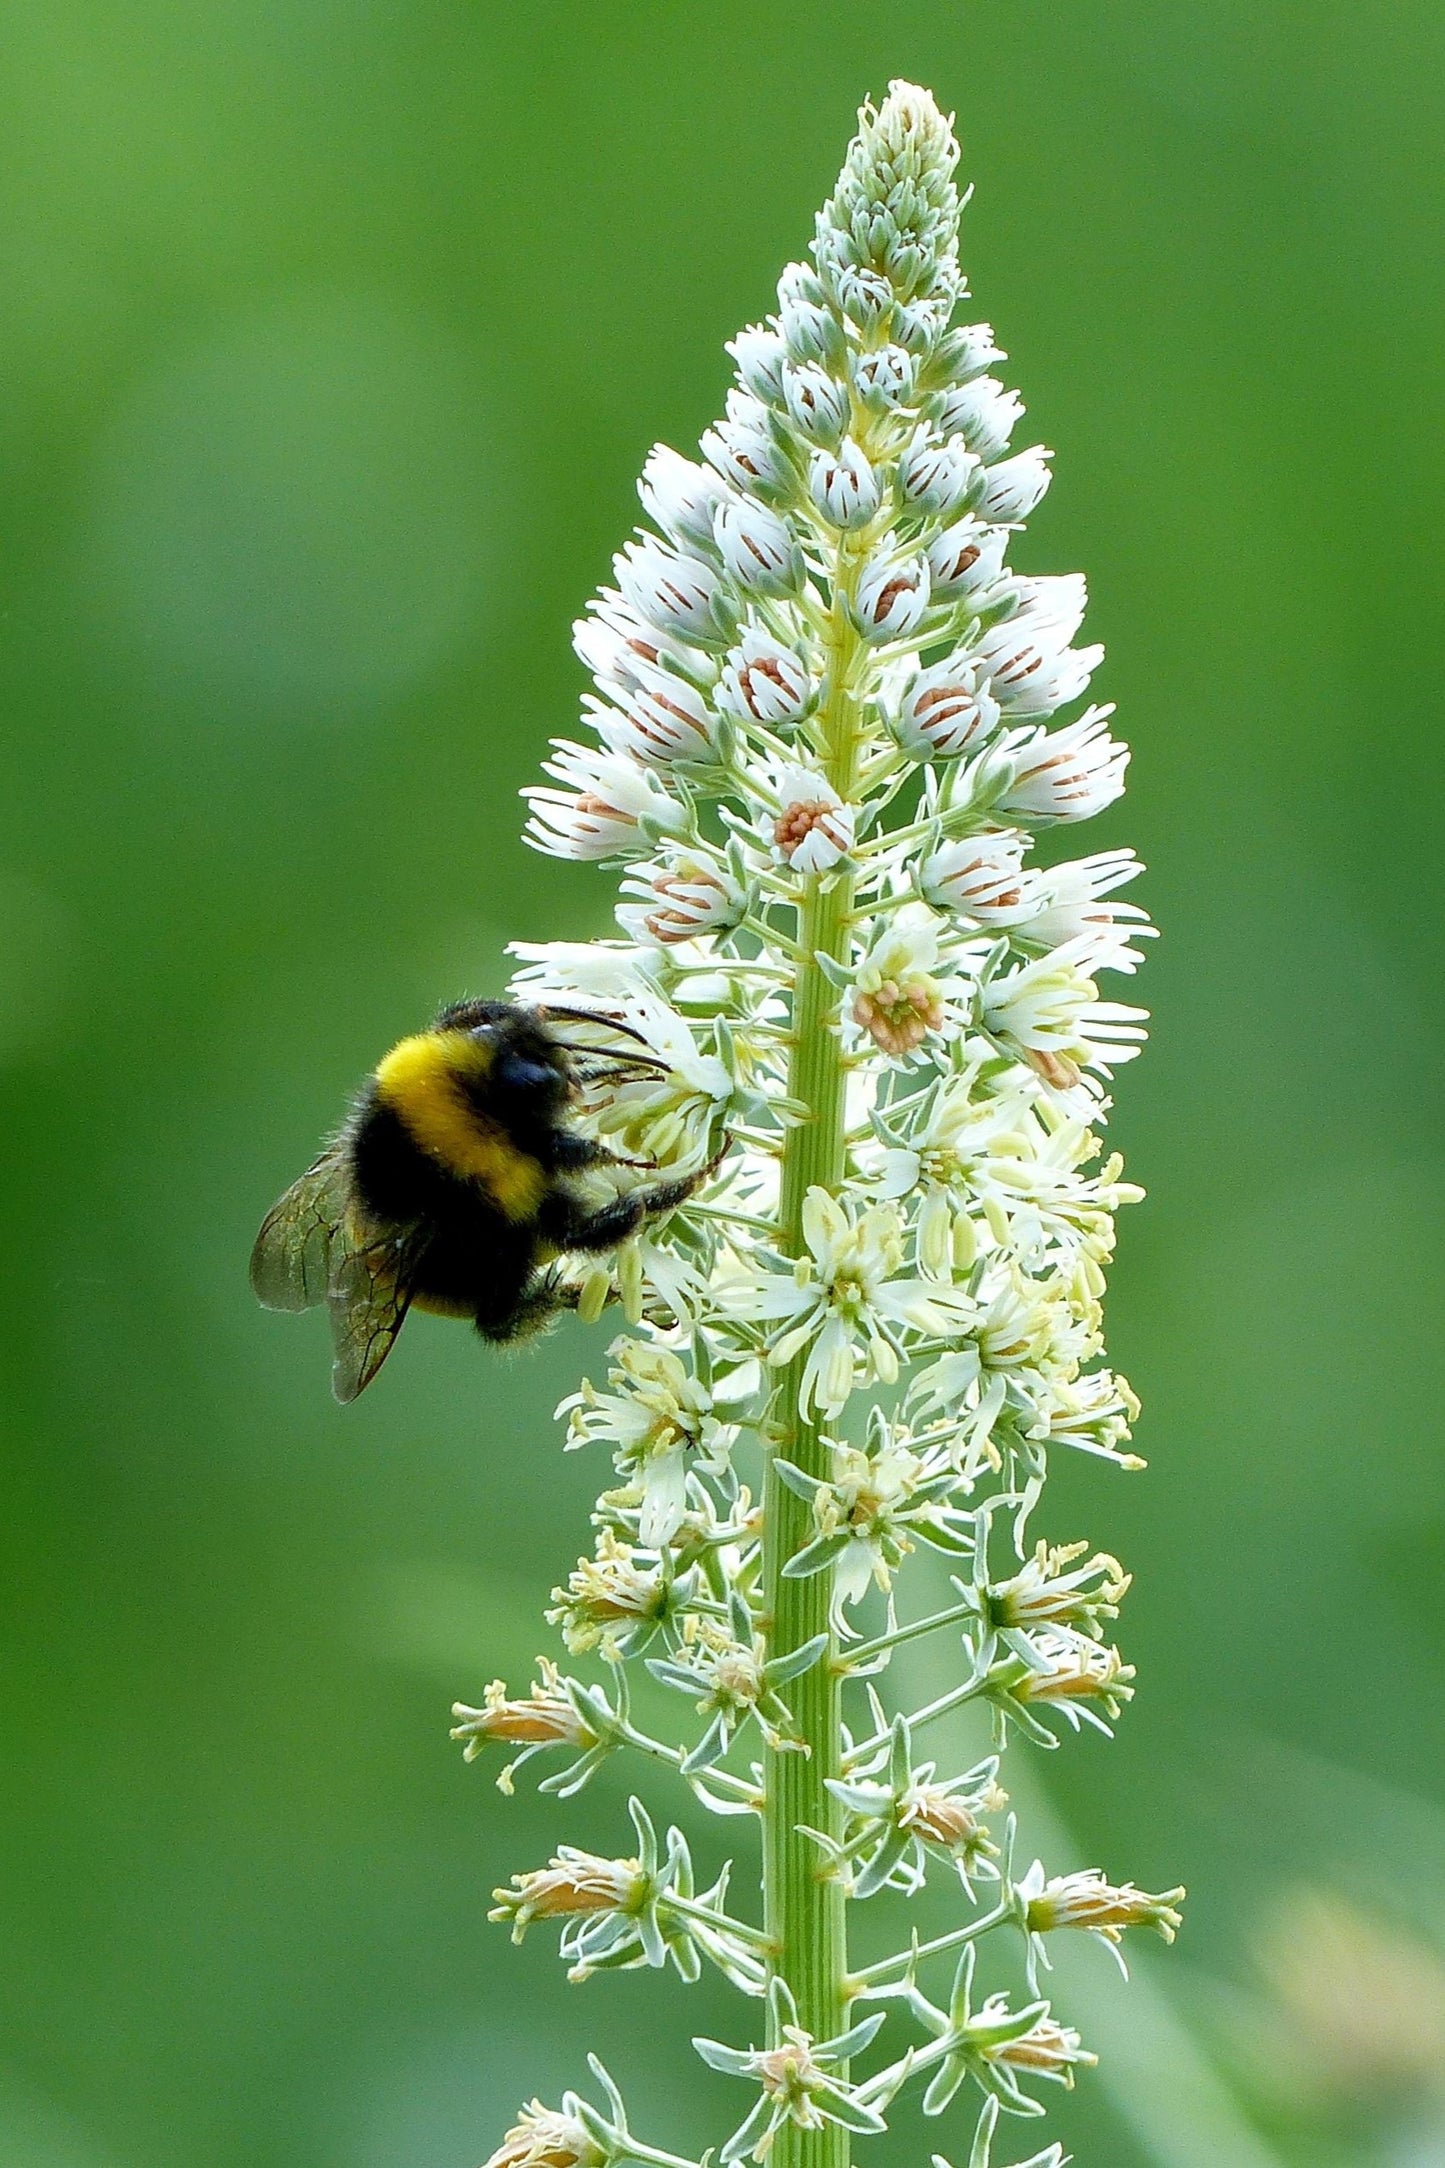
{"x": 334, "y": 334}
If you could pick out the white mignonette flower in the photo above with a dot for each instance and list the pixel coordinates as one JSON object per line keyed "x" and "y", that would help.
{"x": 814, "y": 828}
{"x": 1088, "y": 1900}
{"x": 546, "y": 2138}
{"x": 686, "y": 895}
{"x": 1077, "y": 1676}
{"x": 574, "y": 1883}
{"x": 1093, "y": 1414}
{"x": 611, "y": 808}
{"x": 892, "y": 597}
{"x": 984, "y": 413}
{"x": 1046, "y": 2050}
{"x": 669, "y": 588}
{"x": 897, "y": 1000}
{"x": 843, "y": 486}
{"x": 764, "y": 682}
{"x": 1015, "y": 487}
{"x": 1068, "y": 906}
{"x": 758, "y": 548}
{"x": 981, "y": 878}
{"x": 817, "y": 404}
{"x": 548, "y": 1716}
{"x": 1069, "y": 774}
{"x": 658, "y": 1420}
{"x": 946, "y": 710}
{"x": 611, "y": 1601}
{"x": 966, "y": 558}
{"x": 936, "y": 474}
{"x": 1052, "y": 1589}
{"x": 680, "y": 496}
{"x": 843, "y": 1300}
{"x": 1032, "y": 668}
{"x": 799, "y": 2080}
{"x": 1051, "y": 1011}
{"x": 869, "y": 1502}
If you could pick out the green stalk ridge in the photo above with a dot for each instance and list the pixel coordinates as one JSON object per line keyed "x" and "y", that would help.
{"x": 804, "y": 1907}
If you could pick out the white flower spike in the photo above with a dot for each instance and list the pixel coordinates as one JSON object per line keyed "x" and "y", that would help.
{"x": 857, "y": 1034}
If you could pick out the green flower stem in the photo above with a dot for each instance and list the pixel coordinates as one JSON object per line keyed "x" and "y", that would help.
{"x": 686, "y": 1909}
{"x": 969, "y": 1691}
{"x": 903, "y": 1960}
{"x": 862, "y": 1650}
{"x": 804, "y": 1907}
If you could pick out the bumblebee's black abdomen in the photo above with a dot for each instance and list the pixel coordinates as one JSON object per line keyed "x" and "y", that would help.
{"x": 475, "y": 1264}
{"x": 395, "y": 1179}
{"x": 471, "y": 1260}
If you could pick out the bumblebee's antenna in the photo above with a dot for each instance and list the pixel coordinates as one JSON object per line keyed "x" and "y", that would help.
{"x": 598, "y": 1016}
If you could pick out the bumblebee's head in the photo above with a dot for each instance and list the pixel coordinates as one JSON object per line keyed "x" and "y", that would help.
{"x": 547, "y": 1054}
{"x": 513, "y": 1049}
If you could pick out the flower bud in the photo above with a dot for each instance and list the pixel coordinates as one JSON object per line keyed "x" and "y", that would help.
{"x": 816, "y": 404}
{"x": 672, "y": 590}
{"x": 759, "y": 355}
{"x": 679, "y": 495}
{"x": 918, "y": 325}
{"x": 843, "y": 485}
{"x": 978, "y": 876}
{"x": 1032, "y": 668}
{"x": 946, "y": 710}
{"x": 744, "y": 450}
{"x": 965, "y": 352}
{"x": 1069, "y": 774}
{"x": 682, "y": 898}
{"x": 1011, "y": 490}
{"x": 616, "y": 646}
{"x": 985, "y": 414}
{"x": 965, "y": 557}
{"x": 810, "y": 333}
{"x": 892, "y": 597}
{"x": 800, "y": 283}
{"x": 665, "y": 719}
{"x": 611, "y": 807}
{"x": 885, "y": 377}
{"x": 936, "y": 476}
{"x": 865, "y": 297}
{"x": 758, "y": 548}
{"x": 765, "y": 681}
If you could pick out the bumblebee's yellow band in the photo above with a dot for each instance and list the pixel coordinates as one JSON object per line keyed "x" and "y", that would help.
{"x": 421, "y": 1080}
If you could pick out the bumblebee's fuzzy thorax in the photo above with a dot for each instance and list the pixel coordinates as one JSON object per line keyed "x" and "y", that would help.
{"x": 432, "y": 1082}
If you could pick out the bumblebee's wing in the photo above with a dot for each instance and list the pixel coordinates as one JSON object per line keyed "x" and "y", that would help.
{"x": 291, "y": 1262}
{"x": 368, "y": 1298}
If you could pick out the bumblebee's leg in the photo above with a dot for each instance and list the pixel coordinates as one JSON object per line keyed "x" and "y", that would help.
{"x": 574, "y": 1153}
{"x": 546, "y": 1297}
{"x": 575, "y": 1226}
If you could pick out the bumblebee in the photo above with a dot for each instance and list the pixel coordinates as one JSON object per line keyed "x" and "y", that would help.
{"x": 454, "y": 1186}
